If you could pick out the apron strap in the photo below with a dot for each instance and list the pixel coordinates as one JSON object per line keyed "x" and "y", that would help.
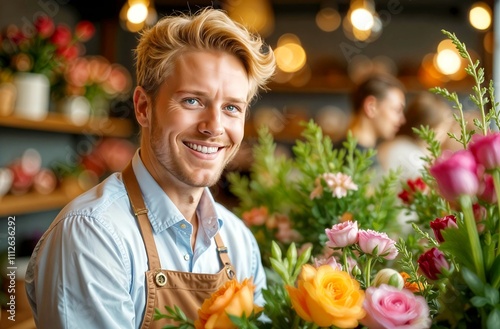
{"x": 224, "y": 257}
{"x": 141, "y": 213}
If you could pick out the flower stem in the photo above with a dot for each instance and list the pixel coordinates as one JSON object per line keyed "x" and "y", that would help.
{"x": 496, "y": 182}
{"x": 368, "y": 271}
{"x": 472, "y": 234}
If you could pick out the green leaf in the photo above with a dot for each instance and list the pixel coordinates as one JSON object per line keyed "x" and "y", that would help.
{"x": 280, "y": 268}
{"x": 491, "y": 294}
{"x": 276, "y": 250}
{"x": 493, "y": 319}
{"x": 291, "y": 255}
{"x": 494, "y": 273}
{"x": 473, "y": 281}
{"x": 479, "y": 301}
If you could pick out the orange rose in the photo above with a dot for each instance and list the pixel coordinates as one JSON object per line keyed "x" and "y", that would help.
{"x": 412, "y": 286}
{"x": 232, "y": 298}
{"x": 327, "y": 297}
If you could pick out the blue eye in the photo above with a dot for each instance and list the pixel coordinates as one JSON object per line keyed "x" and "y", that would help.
{"x": 191, "y": 101}
{"x": 232, "y": 108}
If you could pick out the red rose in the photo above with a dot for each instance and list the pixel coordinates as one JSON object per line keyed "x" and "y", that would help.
{"x": 414, "y": 185}
{"x": 440, "y": 224}
{"x": 68, "y": 52}
{"x": 432, "y": 263}
{"x": 45, "y": 26}
{"x": 61, "y": 37}
{"x": 84, "y": 30}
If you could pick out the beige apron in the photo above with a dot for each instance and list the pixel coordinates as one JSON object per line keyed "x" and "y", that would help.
{"x": 184, "y": 289}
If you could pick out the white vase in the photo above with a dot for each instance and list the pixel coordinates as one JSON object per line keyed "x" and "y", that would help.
{"x": 76, "y": 109}
{"x": 33, "y": 95}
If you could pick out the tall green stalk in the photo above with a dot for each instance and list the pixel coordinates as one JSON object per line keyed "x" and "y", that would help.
{"x": 473, "y": 236}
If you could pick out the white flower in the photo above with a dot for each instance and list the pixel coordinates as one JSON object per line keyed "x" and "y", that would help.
{"x": 339, "y": 184}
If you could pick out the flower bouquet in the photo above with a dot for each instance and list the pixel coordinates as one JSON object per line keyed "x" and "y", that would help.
{"x": 45, "y": 49}
{"x": 460, "y": 207}
{"x": 293, "y": 200}
{"x": 347, "y": 272}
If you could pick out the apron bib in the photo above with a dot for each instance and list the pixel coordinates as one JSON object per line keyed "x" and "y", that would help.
{"x": 171, "y": 288}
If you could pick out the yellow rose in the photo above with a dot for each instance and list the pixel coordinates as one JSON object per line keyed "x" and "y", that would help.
{"x": 327, "y": 297}
{"x": 232, "y": 298}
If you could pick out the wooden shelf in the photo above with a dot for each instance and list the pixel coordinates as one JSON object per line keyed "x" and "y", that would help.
{"x": 57, "y": 122}
{"x": 11, "y": 205}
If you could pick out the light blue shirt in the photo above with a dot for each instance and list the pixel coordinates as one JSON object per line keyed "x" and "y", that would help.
{"x": 87, "y": 270}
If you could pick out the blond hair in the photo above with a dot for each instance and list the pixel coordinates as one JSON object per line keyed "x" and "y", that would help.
{"x": 208, "y": 29}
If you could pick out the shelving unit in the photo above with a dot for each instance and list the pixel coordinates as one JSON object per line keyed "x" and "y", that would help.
{"x": 32, "y": 202}
{"x": 35, "y": 202}
{"x": 56, "y": 122}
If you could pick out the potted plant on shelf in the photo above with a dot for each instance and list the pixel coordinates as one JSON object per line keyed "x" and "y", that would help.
{"x": 31, "y": 60}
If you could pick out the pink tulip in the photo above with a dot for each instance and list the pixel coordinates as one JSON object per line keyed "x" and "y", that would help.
{"x": 368, "y": 240}
{"x": 487, "y": 190}
{"x": 389, "y": 307}
{"x": 455, "y": 174}
{"x": 342, "y": 235}
{"x": 486, "y": 150}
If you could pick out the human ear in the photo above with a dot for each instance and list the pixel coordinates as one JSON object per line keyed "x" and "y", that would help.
{"x": 142, "y": 106}
{"x": 370, "y": 106}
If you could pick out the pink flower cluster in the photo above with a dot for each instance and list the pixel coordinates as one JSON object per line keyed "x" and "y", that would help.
{"x": 465, "y": 172}
{"x": 386, "y": 306}
{"x": 370, "y": 242}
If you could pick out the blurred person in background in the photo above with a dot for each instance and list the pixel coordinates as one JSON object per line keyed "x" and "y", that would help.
{"x": 407, "y": 149}
{"x": 378, "y": 105}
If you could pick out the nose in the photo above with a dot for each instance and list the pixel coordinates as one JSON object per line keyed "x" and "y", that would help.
{"x": 211, "y": 122}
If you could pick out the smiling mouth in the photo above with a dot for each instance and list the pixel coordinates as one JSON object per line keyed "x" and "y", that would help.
{"x": 203, "y": 149}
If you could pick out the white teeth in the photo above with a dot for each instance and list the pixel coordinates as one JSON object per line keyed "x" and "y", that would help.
{"x": 203, "y": 149}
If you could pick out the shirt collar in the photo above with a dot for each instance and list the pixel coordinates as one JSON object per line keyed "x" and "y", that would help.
{"x": 162, "y": 212}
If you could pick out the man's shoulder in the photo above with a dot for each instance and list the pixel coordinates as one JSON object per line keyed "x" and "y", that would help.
{"x": 107, "y": 196}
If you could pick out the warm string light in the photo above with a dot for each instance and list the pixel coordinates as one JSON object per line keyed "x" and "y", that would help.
{"x": 137, "y": 14}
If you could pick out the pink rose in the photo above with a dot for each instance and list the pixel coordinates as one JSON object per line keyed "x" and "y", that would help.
{"x": 440, "y": 224}
{"x": 389, "y": 307}
{"x": 377, "y": 244}
{"x": 342, "y": 235}
{"x": 486, "y": 149}
{"x": 456, "y": 174}
{"x": 328, "y": 261}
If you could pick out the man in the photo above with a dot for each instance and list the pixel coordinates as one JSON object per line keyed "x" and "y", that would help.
{"x": 378, "y": 110}
{"x": 153, "y": 235}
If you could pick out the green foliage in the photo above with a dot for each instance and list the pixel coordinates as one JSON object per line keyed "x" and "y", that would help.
{"x": 284, "y": 185}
